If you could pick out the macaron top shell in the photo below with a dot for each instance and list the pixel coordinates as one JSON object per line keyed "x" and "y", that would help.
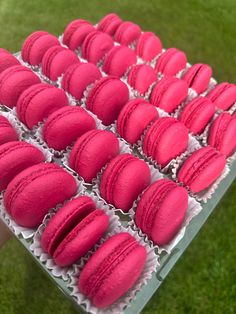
{"x": 7, "y": 132}
{"x": 74, "y": 230}
{"x": 92, "y": 151}
{"x": 201, "y": 169}
{"x": 35, "y": 46}
{"x": 168, "y": 93}
{"x": 141, "y": 77}
{"x": 127, "y": 33}
{"x": 124, "y": 178}
{"x": 198, "y": 77}
{"x": 7, "y": 60}
{"x": 65, "y": 125}
{"x": 148, "y": 46}
{"x": 104, "y": 102}
{"x": 171, "y": 62}
{"x": 197, "y": 114}
{"x": 35, "y": 190}
{"x": 112, "y": 270}
{"x": 222, "y": 134}
{"x": 56, "y": 61}
{"x": 96, "y": 45}
{"x": 78, "y": 77}
{"x": 118, "y": 60}
{"x": 109, "y": 24}
{"x": 166, "y": 139}
{"x": 161, "y": 210}
{"x": 75, "y": 33}
{"x": 38, "y": 101}
{"x": 13, "y": 81}
{"x": 134, "y": 118}
{"x": 223, "y": 95}
{"x": 16, "y": 156}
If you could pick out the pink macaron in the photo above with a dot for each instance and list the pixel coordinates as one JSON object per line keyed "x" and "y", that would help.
{"x": 134, "y": 118}
{"x": 161, "y": 210}
{"x": 127, "y": 33}
{"x": 96, "y": 45}
{"x": 124, "y": 178}
{"x": 38, "y": 101}
{"x": 7, "y": 131}
{"x": 118, "y": 60}
{"x": 76, "y": 32}
{"x": 148, "y": 46}
{"x": 197, "y": 114}
{"x": 141, "y": 77}
{"x": 222, "y": 134}
{"x": 74, "y": 230}
{"x": 92, "y": 151}
{"x": 112, "y": 270}
{"x": 166, "y": 139}
{"x": 201, "y": 169}
{"x": 65, "y": 125}
{"x": 35, "y": 190}
{"x": 7, "y": 60}
{"x": 78, "y": 77}
{"x": 169, "y": 93}
{"x": 223, "y": 95}
{"x": 56, "y": 61}
{"x": 13, "y": 81}
{"x": 171, "y": 62}
{"x": 35, "y": 46}
{"x": 198, "y": 77}
{"x": 109, "y": 24}
{"x": 15, "y": 157}
{"x": 107, "y": 97}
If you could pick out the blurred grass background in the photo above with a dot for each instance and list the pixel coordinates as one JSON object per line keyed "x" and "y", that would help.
{"x": 204, "y": 280}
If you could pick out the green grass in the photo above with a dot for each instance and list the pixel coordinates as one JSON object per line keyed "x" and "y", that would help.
{"x": 204, "y": 280}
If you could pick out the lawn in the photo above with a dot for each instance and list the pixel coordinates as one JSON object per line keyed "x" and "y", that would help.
{"x": 204, "y": 279}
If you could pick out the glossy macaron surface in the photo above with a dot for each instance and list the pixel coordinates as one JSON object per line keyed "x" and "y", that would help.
{"x": 13, "y": 81}
{"x": 201, "y": 169}
{"x": 7, "y": 60}
{"x": 161, "y": 210}
{"x": 134, "y": 118}
{"x": 166, "y": 139}
{"x": 112, "y": 270}
{"x": 16, "y": 156}
{"x": 124, "y": 178}
{"x": 7, "y": 131}
{"x": 92, "y": 151}
{"x": 35, "y": 190}
{"x": 221, "y": 134}
{"x": 102, "y": 100}
{"x": 64, "y": 126}
{"x": 38, "y": 101}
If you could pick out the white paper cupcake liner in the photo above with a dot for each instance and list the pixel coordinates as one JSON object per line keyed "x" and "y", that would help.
{"x": 193, "y": 210}
{"x": 125, "y": 301}
{"x": 232, "y": 109}
{"x": 206, "y": 194}
{"x": 47, "y": 260}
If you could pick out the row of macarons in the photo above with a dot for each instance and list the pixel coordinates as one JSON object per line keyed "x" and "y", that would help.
{"x": 98, "y": 149}
{"x": 42, "y": 101}
{"x": 138, "y": 117}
